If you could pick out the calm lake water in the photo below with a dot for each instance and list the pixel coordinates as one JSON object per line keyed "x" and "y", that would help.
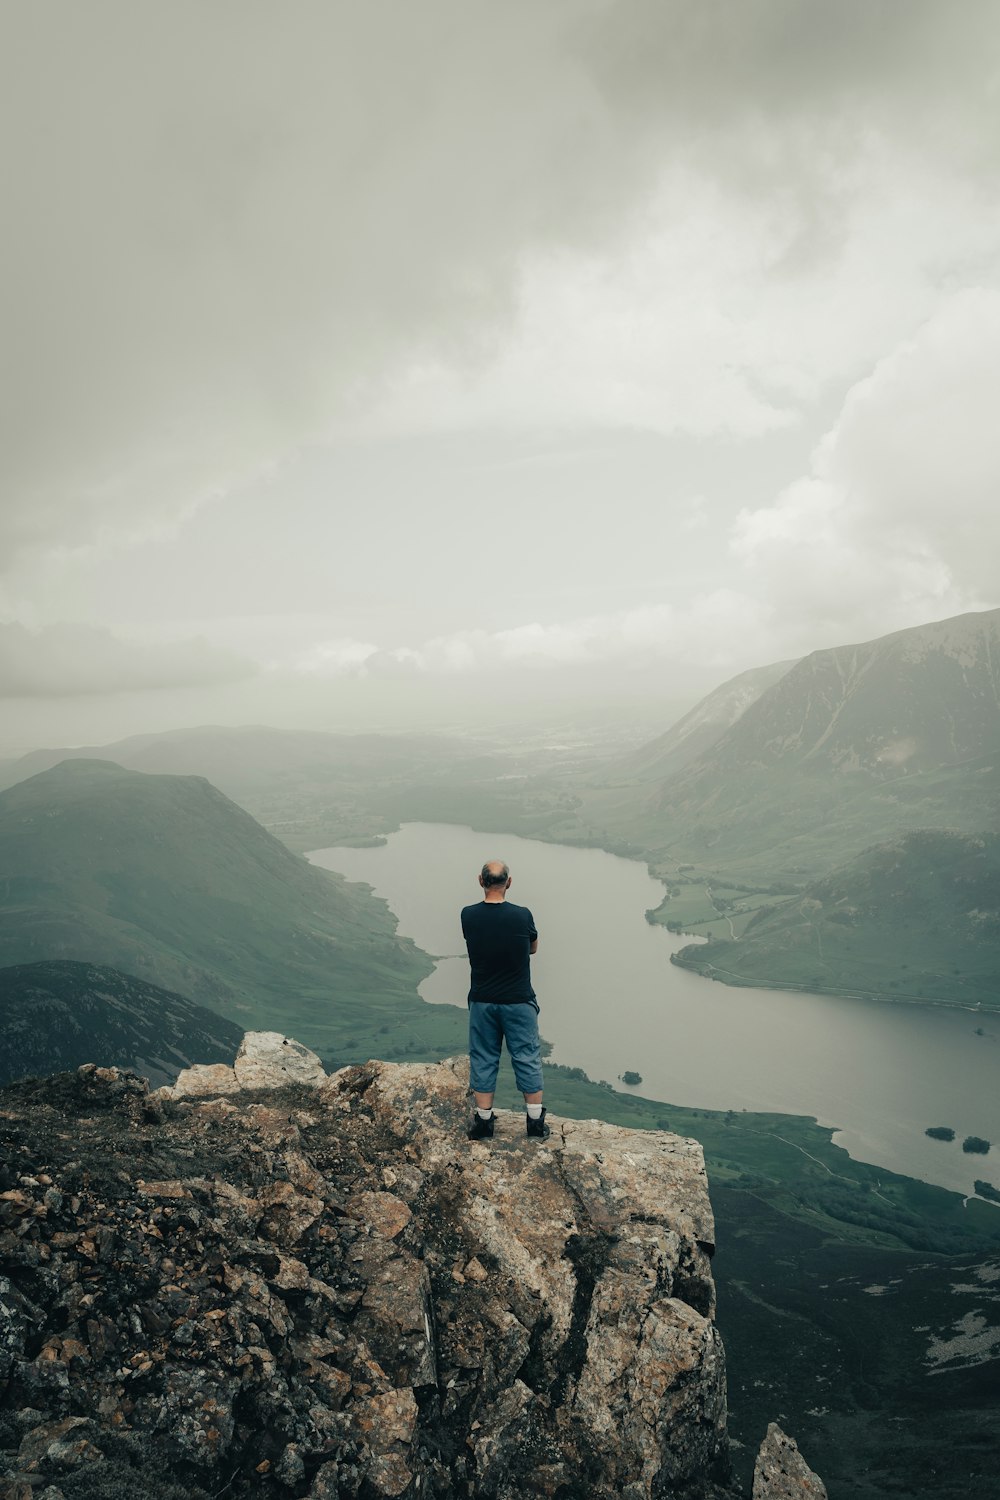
{"x": 611, "y": 1000}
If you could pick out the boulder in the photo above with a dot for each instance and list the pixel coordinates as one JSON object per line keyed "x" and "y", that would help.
{"x": 268, "y": 1060}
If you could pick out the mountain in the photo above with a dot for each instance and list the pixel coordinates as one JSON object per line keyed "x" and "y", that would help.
{"x": 165, "y": 878}
{"x": 849, "y": 745}
{"x": 911, "y": 701}
{"x": 248, "y": 756}
{"x": 58, "y": 1015}
{"x": 914, "y": 919}
{"x": 698, "y": 730}
{"x": 312, "y": 789}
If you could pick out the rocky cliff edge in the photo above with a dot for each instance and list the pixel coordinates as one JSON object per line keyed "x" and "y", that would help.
{"x": 322, "y": 1289}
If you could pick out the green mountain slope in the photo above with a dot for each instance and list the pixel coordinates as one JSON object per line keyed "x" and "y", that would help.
{"x": 698, "y": 730}
{"x": 55, "y": 1016}
{"x": 849, "y": 745}
{"x": 918, "y": 918}
{"x": 165, "y": 878}
{"x": 924, "y": 697}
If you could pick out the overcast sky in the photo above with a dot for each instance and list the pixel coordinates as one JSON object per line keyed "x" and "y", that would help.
{"x": 363, "y": 356}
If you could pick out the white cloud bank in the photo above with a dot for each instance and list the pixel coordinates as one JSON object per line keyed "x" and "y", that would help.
{"x": 897, "y": 522}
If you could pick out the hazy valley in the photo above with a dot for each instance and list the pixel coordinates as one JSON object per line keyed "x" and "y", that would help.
{"x": 830, "y": 823}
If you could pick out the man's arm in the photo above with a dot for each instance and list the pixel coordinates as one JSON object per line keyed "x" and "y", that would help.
{"x": 534, "y": 946}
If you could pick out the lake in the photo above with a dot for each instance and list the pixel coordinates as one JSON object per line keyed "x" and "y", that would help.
{"x": 611, "y": 1000}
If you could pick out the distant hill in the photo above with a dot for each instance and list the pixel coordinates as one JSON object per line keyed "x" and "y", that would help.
{"x": 247, "y": 755}
{"x": 850, "y": 744}
{"x": 911, "y": 701}
{"x": 55, "y": 1016}
{"x": 165, "y": 878}
{"x": 698, "y": 730}
{"x": 918, "y": 918}
{"x": 312, "y": 789}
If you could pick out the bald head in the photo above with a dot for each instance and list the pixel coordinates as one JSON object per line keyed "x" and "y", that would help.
{"x": 494, "y": 877}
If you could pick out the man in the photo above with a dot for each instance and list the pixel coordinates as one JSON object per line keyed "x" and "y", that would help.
{"x": 501, "y": 938}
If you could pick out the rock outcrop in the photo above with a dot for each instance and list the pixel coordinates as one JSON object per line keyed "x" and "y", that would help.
{"x": 781, "y": 1473}
{"x": 325, "y": 1290}
{"x": 265, "y": 1060}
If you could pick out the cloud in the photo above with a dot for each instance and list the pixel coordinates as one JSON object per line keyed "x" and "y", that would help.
{"x": 231, "y": 227}
{"x": 895, "y": 523}
{"x": 721, "y": 626}
{"x": 333, "y": 657}
{"x": 77, "y": 660}
{"x": 712, "y": 320}
{"x": 224, "y": 222}
{"x": 898, "y": 519}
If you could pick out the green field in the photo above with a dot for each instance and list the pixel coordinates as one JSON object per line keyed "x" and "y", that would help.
{"x": 710, "y": 910}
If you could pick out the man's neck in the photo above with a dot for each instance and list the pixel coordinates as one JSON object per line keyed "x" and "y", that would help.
{"x": 494, "y": 900}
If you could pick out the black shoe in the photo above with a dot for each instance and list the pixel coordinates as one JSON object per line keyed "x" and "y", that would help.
{"x": 537, "y": 1129}
{"x": 480, "y": 1129}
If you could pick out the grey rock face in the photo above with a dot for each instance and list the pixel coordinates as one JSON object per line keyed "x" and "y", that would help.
{"x": 596, "y": 1253}
{"x": 331, "y": 1293}
{"x": 781, "y": 1473}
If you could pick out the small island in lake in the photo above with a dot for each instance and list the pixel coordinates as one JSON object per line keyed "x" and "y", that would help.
{"x": 940, "y": 1132}
{"x": 975, "y": 1143}
{"x": 631, "y": 1076}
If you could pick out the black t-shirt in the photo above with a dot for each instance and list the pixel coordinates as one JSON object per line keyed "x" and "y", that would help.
{"x": 499, "y": 935}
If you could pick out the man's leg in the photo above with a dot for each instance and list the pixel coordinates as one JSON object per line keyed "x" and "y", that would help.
{"x": 485, "y": 1041}
{"x": 520, "y": 1025}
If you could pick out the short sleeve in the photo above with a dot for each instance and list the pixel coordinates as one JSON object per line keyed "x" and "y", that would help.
{"x": 532, "y": 929}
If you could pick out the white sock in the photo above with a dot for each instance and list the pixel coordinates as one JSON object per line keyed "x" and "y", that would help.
{"x": 534, "y": 1111}
{"x": 484, "y": 1114}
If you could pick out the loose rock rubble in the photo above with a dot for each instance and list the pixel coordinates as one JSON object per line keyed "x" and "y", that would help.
{"x": 323, "y": 1290}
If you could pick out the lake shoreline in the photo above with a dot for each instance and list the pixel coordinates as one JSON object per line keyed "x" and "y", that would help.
{"x": 614, "y": 999}
{"x": 739, "y": 982}
{"x": 638, "y": 857}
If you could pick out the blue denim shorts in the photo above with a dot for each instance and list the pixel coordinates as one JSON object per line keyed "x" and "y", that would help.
{"x": 490, "y": 1026}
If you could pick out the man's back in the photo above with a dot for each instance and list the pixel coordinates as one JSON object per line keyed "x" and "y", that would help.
{"x": 499, "y": 936}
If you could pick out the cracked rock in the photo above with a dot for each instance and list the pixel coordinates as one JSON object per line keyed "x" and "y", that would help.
{"x": 781, "y": 1473}
{"x": 326, "y": 1292}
